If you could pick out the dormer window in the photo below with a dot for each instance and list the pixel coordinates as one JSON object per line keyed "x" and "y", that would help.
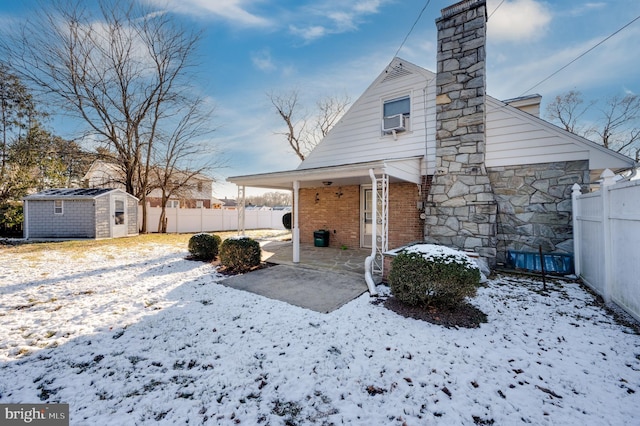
{"x": 395, "y": 115}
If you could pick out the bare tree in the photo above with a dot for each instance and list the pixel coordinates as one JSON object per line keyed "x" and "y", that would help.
{"x": 301, "y": 135}
{"x": 120, "y": 67}
{"x": 270, "y": 199}
{"x": 620, "y": 125}
{"x": 177, "y": 162}
{"x": 616, "y": 128}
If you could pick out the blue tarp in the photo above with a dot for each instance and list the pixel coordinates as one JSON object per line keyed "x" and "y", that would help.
{"x": 554, "y": 263}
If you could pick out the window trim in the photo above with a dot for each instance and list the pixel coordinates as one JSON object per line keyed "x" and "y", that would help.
{"x": 398, "y": 96}
{"x": 396, "y": 99}
{"x": 58, "y": 209}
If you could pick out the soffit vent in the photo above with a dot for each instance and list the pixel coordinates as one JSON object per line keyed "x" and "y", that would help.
{"x": 396, "y": 71}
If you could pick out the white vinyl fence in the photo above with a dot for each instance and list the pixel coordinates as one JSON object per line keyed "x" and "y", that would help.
{"x": 210, "y": 220}
{"x": 606, "y": 226}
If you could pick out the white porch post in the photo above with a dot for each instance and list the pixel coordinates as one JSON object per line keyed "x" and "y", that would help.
{"x": 369, "y": 261}
{"x": 296, "y": 230}
{"x": 240, "y": 207}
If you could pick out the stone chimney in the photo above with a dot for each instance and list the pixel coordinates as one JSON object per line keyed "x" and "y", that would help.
{"x": 461, "y": 208}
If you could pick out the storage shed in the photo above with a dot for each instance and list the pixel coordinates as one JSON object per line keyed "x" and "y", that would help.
{"x": 80, "y": 213}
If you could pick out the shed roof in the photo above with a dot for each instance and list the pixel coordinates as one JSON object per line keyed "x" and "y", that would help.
{"x": 71, "y": 193}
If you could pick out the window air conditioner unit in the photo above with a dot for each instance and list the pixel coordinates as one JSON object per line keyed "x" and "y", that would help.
{"x": 393, "y": 123}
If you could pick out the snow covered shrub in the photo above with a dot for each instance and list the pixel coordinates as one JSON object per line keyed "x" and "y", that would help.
{"x": 204, "y": 246}
{"x": 240, "y": 254}
{"x": 426, "y": 274}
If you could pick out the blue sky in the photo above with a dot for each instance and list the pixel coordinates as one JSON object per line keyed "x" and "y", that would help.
{"x": 336, "y": 47}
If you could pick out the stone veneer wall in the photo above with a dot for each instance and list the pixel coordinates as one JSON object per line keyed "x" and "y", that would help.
{"x": 534, "y": 206}
{"x": 461, "y": 209}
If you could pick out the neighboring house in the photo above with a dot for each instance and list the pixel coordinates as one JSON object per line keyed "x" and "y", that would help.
{"x": 442, "y": 161}
{"x": 229, "y": 204}
{"x": 80, "y": 213}
{"x": 197, "y": 194}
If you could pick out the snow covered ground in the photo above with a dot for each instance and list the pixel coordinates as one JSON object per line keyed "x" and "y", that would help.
{"x": 143, "y": 336}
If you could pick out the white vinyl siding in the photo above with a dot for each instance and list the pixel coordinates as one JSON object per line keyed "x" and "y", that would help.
{"x": 357, "y": 137}
{"x": 517, "y": 138}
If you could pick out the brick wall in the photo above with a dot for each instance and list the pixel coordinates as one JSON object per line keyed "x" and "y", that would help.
{"x": 337, "y": 209}
{"x": 324, "y": 208}
{"x": 405, "y": 225}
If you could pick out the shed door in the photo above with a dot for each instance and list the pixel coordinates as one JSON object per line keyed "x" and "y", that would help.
{"x": 119, "y": 217}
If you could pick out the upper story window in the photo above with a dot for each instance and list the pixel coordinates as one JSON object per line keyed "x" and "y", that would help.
{"x": 395, "y": 114}
{"x": 58, "y": 207}
{"x": 397, "y": 106}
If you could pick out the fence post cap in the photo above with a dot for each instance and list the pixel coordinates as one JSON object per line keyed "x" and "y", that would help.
{"x": 608, "y": 177}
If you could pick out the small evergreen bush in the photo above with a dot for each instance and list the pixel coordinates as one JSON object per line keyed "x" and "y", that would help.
{"x": 430, "y": 275}
{"x": 204, "y": 246}
{"x": 240, "y": 254}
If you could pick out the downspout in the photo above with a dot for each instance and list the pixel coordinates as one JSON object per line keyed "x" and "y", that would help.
{"x": 368, "y": 263}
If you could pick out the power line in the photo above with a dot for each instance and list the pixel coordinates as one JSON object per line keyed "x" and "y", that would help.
{"x": 580, "y": 56}
{"x": 412, "y": 27}
{"x": 494, "y": 10}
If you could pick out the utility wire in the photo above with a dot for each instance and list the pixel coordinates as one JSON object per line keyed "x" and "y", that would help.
{"x": 494, "y": 10}
{"x": 579, "y": 56}
{"x": 412, "y": 27}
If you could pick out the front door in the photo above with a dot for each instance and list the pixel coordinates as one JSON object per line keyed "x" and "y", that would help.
{"x": 119, "y": 217}
{"x": 366, "y": 216}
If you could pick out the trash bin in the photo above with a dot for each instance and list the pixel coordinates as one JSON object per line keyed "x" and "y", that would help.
{"x": 321, "y": 238}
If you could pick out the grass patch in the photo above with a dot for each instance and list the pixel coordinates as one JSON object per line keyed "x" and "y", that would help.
{"x": 79, "y": 247}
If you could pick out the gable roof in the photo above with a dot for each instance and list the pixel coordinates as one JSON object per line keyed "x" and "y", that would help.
{"x": 356, "y": 142}
{"x": 357, "y": 137}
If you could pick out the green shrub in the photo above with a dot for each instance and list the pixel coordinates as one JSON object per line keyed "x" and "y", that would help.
{"x": 240, "y": 254}
{"x": 204, "y": 246}
{"x": 441, "y": 277}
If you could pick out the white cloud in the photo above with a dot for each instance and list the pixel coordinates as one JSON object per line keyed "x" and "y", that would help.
{"x": 585, "y": 8}
{"x": 368, "y": 6}
{"x": 517, "y": 20}
{"x": 232, "y": 11}
{"x": 606, "y": 65}
{"x": 263, "y": 60}
{"x": 308, "y": 33}
{"x": 333, "y": 17}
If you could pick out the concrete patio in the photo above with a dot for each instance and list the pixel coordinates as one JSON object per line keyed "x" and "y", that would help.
{"x": 349, "y": 260}
{"x": 323, "y": 281}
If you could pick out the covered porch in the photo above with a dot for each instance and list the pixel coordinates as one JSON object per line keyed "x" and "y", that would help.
{"x": 336, "y": 198}
{"x": 323, "y": 258}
